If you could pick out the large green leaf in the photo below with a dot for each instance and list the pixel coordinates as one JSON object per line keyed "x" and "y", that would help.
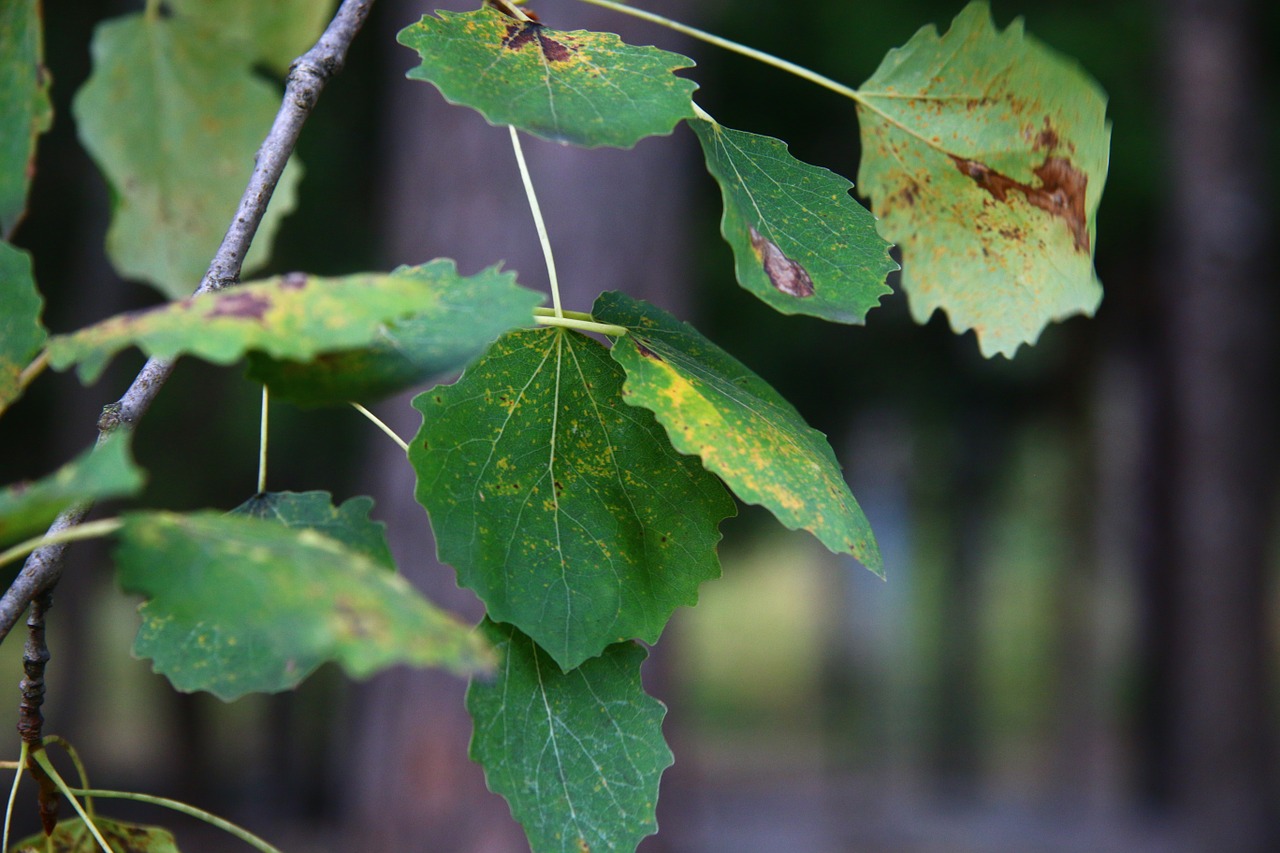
{"x": 173, "y": 119}
{"x": 586, "y": 88}
{"x": 103, "y": 472}
{"x": 348, "y": 524}
{"x": 985, "y": 154}
{"x": 239, "y": 605}
{"x": 295, "y": 317}
{"x": 273, "y": 33}
{"x": 460, "y": 318}
{"x": 800, "y": 242}
{"x": 21, "y": 333}
{"x": 25, "y": 110}
{"x": 715, "y": 407}
{"x": 72, "y": 836}
{"x": 577, "y": 755}
{"x": 566, "y": 510}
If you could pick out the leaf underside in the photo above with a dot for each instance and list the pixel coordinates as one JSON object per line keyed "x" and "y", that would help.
{"x": 348, "y": 524}
{"x": 21, "y": 332}
{"x": 25, "y": 109}
{"x": 577, "y": 755}
{"x": 73, "y": 836}
{"x": 273, "y": 34}
{"x": 714, "y": 407}
{"x": 985, "y": 154}
{"x": 566, "y": 510}
{"x": 800, "y": 242}
{"x": 585, "y": 88}
{"x": 237, "y": 605}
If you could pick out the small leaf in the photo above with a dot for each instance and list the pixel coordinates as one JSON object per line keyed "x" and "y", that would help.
{"x": 800, "y": 242}
{"x": 348, "y": 524}
{"x": 21, "y": 333}
{"x": 578, "y": 755}
{"x": 564, "y": 509}
{"x": 239, "y": 605}
{"x": 274, "y": 33}
{"x": 461, "y": 316}
{"x": 72, "y": 836}
{"x": 106, "y": 471}
{"x": 586, "y": 88}
{"x": 174, "y": 120}
{"x": 985, "y": 154}
{"x": 744, "y": 431}
{"x": 294, "y": 316}
{"x": 25, "y": 109}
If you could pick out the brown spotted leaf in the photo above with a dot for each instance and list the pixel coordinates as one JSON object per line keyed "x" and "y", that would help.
{"x": 985, "y": 154}
{"x": 25, "y": 111}
{"x": 586, "y": 88}
{"x": 713, "y": 406}
{"x": 73, "y": 836}
{"x": 294, "y": 317}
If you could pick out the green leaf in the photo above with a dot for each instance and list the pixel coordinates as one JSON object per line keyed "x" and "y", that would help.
{"x": 564, "y": 509}
{"x": 800, "y": 242}
{"x": 21, "y": 333}
{"x": 577, "y": 755}
{"x": 239, "y": 605}
{"x": 174, "y": 121}
{"x": 72, "y": 836}
{"x": 106, "y": 471}
{"x": 25, "y": 109}
{"x": 462, "y": 315}
{"x": 293, "y": 316}
{"x": 744, "y": 431}
{"x": 985, "y": 155}
{"x": 348, "y": 524}
{"x": 590, "y": 89}
{"x": 274, "y": 33}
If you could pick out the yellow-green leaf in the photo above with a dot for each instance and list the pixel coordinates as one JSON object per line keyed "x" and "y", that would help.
{"x": 21, "y": 332}
{"x": 25, "y": 110}
{"x": 72, "y": 836}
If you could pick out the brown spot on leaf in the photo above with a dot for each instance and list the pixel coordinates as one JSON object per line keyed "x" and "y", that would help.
{"x": 785, "y": 274}
{"x": 1060, "y": 193}
{"x": 646, "y": 352}
{"x": 246, "y": 306}
{"x": 519, "y": 35}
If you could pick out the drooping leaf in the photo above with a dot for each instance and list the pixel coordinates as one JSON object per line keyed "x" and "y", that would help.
{"x": 577, "y": 755}
{"x": 239, "y": 605}
{"x": 713, "y": 406}
{"x": 106, "y": 471}
{"x": 800, "y": 242}
{"x": 174, "y": 122}
{"x": 348, "y": 524}
{"x": 72, "y": 836}
{"x": 586, "y": 88}
{"x": 462, "y": 315}
{"x": 25, "y": 109}
{"x": 985, "y": 154}
{"x": 293, "y": 316}
{"x": 21, "y": 332}
{"x": 274, "y": 33}
{"x": 564, "y": 509}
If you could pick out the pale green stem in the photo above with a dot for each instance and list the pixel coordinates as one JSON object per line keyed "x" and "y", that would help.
{"x": 583, "y": 325}
{"x": 45, "y": 764}
{"x": 88, "y": 530}
{"x": 13, "y": 795}
{"x": 58, "y": 740}
{"x": 703, "y": 114}
{"x": 262, "y": 441}
{"x": 200, "y": 814}
{"x": 382, "y": 426}
{"x": 550, "y": 312}
{"x": 537, "y": 220}
{"x": 512, "y": 9}
{"x": 152, "y": 11}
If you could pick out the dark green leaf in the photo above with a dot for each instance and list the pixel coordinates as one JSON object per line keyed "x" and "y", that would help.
{"x": 985, "y": 154}
{"x": 25, "y": 110}
{"x": 21, "y": 333}
{"x": 72, "y": 836}
{"x": 348, "y": 524}
{"x": 800, "y": 242}
{"x": 295, "y": 317}
{"x": 577, "y": 755}
{"x": 590, "y": 89}
{"x": 566, "y": 510}
{"x": 273, "y": 33}
{"x": 462, "y": 315}
{"x": 239, "y": 605}
{"x": 744, "y": 431}
{"x": 174, "y": 121}
{"x": 104, "y": 472}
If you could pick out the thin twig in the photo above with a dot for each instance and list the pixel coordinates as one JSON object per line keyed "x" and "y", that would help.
{"x": 307, "y": 78}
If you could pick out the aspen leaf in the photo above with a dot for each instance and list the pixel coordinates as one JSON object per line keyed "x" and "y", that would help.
{"x": 72, "y": 836}
{"x": 25, "y": 109}
{"x": 21, "y": 333}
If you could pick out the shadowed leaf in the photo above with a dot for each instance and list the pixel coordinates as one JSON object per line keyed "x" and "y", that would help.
{"x": 72, "y": 836}
{"x": 25, "y": 110}
{"x": 348, "y": 524}
{"x": 21, "y": 333}
{"x": 273, "y": 33}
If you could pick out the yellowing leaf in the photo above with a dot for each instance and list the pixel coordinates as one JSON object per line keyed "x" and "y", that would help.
{"x": 25, "y": 111}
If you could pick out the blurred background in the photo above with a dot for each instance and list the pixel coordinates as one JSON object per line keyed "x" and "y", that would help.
{"x": 1075, "y": 649}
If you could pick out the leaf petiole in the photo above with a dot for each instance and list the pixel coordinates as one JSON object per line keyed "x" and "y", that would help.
{"x": 566, "y": 322}
{"x": 46, "y": 765}
{"x": 13, "y": 795}
{"x": 382, "y": 426}
{"x": 200, "y": 814}
{"x": 262, "y": 441}
{"x": 537, "y": 220}
{"x": 75, "y": 533}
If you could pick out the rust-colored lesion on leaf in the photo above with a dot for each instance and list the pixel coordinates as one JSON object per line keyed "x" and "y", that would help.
{"x": 520, "y": 34}
{"x": 242, "y": 305}
{"x": 785, "y": 274}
